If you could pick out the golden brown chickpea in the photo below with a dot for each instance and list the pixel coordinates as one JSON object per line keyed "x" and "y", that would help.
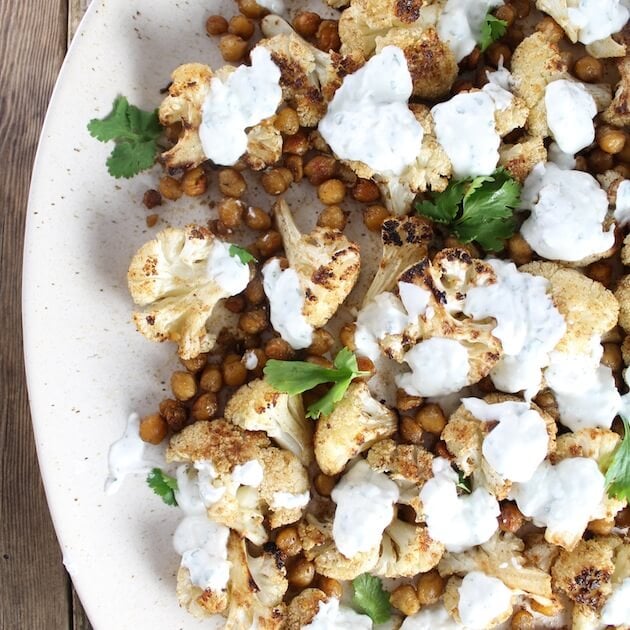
{"x": 430, "y": 587}
{"x": 346, "y": 336}
{"x": 183, "y": 385}
{"x": 497, "y": 52}
{"x": 296, "y": 165}
{"x": 306, "y": 23}
{"x": 611, "y": 140}
{"x": 331, "y": 192}
{"x": 441, "y": 450}
{"x": 297, "y": 144}
{"x": 327, "y": 36}
{"x": 251, "y": 9}
{"x": 241, "y": 26}
{"x": 486, "y": 385}
{"x": 269, "y": 243}
{"x": 234, "y": 372}
{"x": 253, "y": 322}
{"x": 288, "y": 541}
{"x": 333, "y": 217}
{"x": 174, "y": 413}
{"x": 211, "y": 379}
{"x": 470, "y": 61}
{"x": 196, "y": 363}
{"x": 588, "y": 69}
{"x": 317, "y": 142}
{"x": 320, "y": 169}
{"x": 431, "y": 418}
{"x": 366, "y": 191}
{"x": 612, "y": 356}
{"x": 205, "y": 407}
{"x": 522, "y": 8}
{"x": 544, "y": 609}
{"x": 507, "y": 13}
{"x": 301, "y": 574}
{"x": 231, "y": 183}
{"x": 170, "y": 188}
{"x": 151, "y": 199}
{"x": 406, "y": 402}
{"x": 152, "y": 220}
{"x": 195, "y": 182}
{"x": 235, "y": 304}
{"x": 600, "y": 161}
{"x": 514, "y": 36}
{"x": 520, "y": 251}
{"x": 331, "y": 587}
{"x": 287, "y": 121}
{"x": 410, "y": 430}
{"x": 322, "y": 342}
{"x": 552, "y": 31}
{"x": 462, "y": 85}
{"x": 510, "y": 518}
{"x": 601, "y": 526}
{"x": 231, "y": 212}
{"x": 153, "y": 428}
{"x": 405, "y": 599}
{"x": 324, "y": 484}
{"x": 216, "y": 25}
{"x": 522, "y": 620}
{"x": 254, "y": 292}
{"x": 347, "y": 175}
{"x": 373, "y": 217}
{"x": 278, "y": 349}
{"x": 315, "y": 360}
{"x": 581, "y": 163}
{"x": 277, "y": 180}
{"x": 365, "y": 364}
{"x": 232, "y": 47}
{"x": 601, "y": 271}
{"x": 622, "y": 519}
{"x": 257, "y": 219}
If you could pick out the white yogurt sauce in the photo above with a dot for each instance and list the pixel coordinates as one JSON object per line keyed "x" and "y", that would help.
{"x": 482, "y": 599}
{"x": 432, "y": 617}
{"x": 622, "y": 206}
{"x": 369, "y": 120}
{"x": 570, "y": 111}
{"x": 518, "y": 444}
{"x": 248, "y": 474}
{"x": 415, "y": 299}
{"x": 563, "y": 498}
{"x": 465, "y": 127}
{"x": 498, "y": 87}
{"x": 286, "y": 303}
{"x": 365, "y": 507}
{"x": 459, "y": 522}
{"x": 290, "y": 500}
{"x": 529, "y": 325}
{"x": 597, "y": 19}
{"x": 438, "y": 366}
{"x": 568, "y": 209}
{"x": 333, "y": 616}
{"x": 565, "y": 161}
{"x": 616, "y": 610}
{"x": 460, "y": 24}
{"x": 226, "y": 270}
{"x": 250, "y": 360}
{"x": 275, "y": 6}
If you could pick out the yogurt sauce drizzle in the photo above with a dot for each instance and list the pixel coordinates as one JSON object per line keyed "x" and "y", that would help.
{"x": 431, "y": 618}
{"x": 226, "y": 270}
{"x": 622, "y": 206}
{"x": 482, "y": 600}
{"x": 333, "y": 616}
{"x": 369, "y": 120}
{"x": 616, "y": 611}
{"x": 597, "y": 19}
{"x": 248, "y": 95}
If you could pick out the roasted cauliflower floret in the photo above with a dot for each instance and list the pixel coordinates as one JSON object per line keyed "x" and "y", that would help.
{"x": 519, "y": 159}
{"x": 259, "y": 407}
{"x": 303, "y": 608}
{"x": 173, "y": 276}
{"x": 618, "y": 112}
{"x": 622, "y": 294}
{"x": 247, "y": 479}
{"x": 326, "y": 262}
{"x": 357, "y": 422}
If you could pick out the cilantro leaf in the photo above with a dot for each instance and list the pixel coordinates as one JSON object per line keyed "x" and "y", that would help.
{"x": 163, "y": 485}
{"x": 492, "y": 29}
{"x": 618, "y": 473}
{"x": 242, "y": 254}
{"x": 135, "y": 133}
{"x": 295, "y": 377}
{"x": 444, "y": 207}
{"x": 370, "y": 598}
{"x": 463, "y": 483}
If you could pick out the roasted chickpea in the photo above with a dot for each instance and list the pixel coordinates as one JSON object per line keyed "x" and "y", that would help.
{"x": 373, "y": 217}
{"x": 406, "y": 402}
{"x": 321, "y": 361}
{"x": 269, "y": 243}
{"x": 462, "y": 85}
{"x": 301, "y": 574}
{"x": 153, "y": 428}
{"x": 254, "y": 292}
{"x": 277, "y": 348}
{"x": 216, "y": 25}
{"x": 510, "y": 518}
{"x": 522, "y": 8}
{"x": 331, "y": 192}
{"x": 235, "y": 304}
{"x": 211, "y": 379}
{"x": 251, "y": 9}
{"x": 320, "y": 169}
{"x": 486, "y": 385}
{"x": 322, "y": 342}
{"x": 331, "y": 587}
{"x": 253, "y": 322}
{"x": 287, "y": 121}
{"x": 151, "y": 199}
{"x": 544, "y": 609}
{"x": 194, "y": 182}
{"x": 196, "y": 363}
{"x": 552, "y": 31}
{"x": 277, "y": 180}
{"x": 588, "y": 69}
{"x": 601, "y": 271}
{"x": 507, "y": 13}
{"x": 231, "y": 183}
{"x": 306, "y": 23}
{"x": 441, "y": 450}
{"x": 611, "y": 140}
{"x": 234, "y": 372}
{"x": 520, "y": 251}
{"x": 622, "y": 519}
{"x": 498, "y": 52}
{"x": 430, "y": 587}
{"x": 174, "y": 413}
{"x": 152, "y": 220}
{"x": 327, "y": 36}
{"x": 170, "y": 188}
{"x": 241, "y": 26}
{"x": 612, "y": 356}
{"x": 324, "y": 484}
{"x": 405, "y": 599}
{"x": 347, "y": 175}
{"x": 296, "y": 165}
{"x": 205, "y": 407}
{"x": 183, "y": 385}
{"x": 431, "y": 418}
{"x": 232, "y": 47}
{"x": 514, "y": 36}
{"x": 346, "y": 336}
{"x": 365, "y": 364}
{"x": 366, "y": 191}
{"x": 297, "y": 144}
{"x": 317, "y": 142}
{"x": 410, "y": 430}
{"x": 257, "y": 219}
{"x": 332, "y": 217}
{"x": 522, "y": 620}
{"x": 288, "y": 541}
{"x": 601, "y": 526}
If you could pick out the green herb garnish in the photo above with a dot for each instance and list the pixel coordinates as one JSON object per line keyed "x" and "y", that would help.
{"x": 370, "y": 598}
{"x": 477, "y": 208}
{"x": 135, "y": 133}
{"x": 492, "y": 29}
{"x": 463, "y": 482}
{"x": 242, "y": 254}
{"x": 163, "y": 485}
{"x": 295, "y": 377}
{"x": 618, "y": 473}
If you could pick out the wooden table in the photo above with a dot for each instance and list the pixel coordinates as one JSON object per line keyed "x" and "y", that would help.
{"x": 35, "y": 591}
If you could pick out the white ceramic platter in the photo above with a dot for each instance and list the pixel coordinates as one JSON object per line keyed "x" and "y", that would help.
{"x": 87, "y": 367}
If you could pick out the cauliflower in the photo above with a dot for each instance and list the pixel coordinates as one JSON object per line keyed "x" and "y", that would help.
{"x": 309, "y": 76}
{"x": 405, "y": 242}
{"x": 618, "y": 112}
{"x": 303, "y": 608}
{"x": 519, "y": 159}
{"x": 326, "y": 262}
{"x": 257, "y": 406}
{"x": 222, "y": 447}
{"x": 173, "y": 275}
{"x": 407, "y": 550}
{"x": 198, "y": 602}
{"x": 622, "y": 294}
{"x": 357, "y": 422}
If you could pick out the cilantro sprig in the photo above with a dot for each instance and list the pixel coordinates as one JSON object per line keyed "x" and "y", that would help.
{"x": 492, "y": 29}
{"x": 242, "y": 254}
{"x": 370, "y": 598}
{"x": 135, "y": 133}
{"x": 463, "y": 483}
{"x": 477, "y": 208}
{"x": 295, "y": 377}
{"x": 163, "y": 485}
{"x": 618, "y": 473}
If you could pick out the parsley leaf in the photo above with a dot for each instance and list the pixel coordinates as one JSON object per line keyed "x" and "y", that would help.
{"x": 370, "y": 598}
{"x": 135, "y": 133}
{"x": 242, "y": 254}
{"x": 618, "y": 473}
{"x": 163, "y": 485}
{"x": 477, "y": 208}
{"x": 463, "y": 482}
{"x": 492, "y": 29}
{"x": 295, "y": 377}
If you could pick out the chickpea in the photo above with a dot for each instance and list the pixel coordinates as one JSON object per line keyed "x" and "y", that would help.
{"x": 327, "y": 36}
{"x": 297, "y": 144}
{"x": 232, "y": 47}
{"x": 507, "y": 13}
{"x": 510, "y": 518}
{"x": 544, "y": 609}
{"x": 374, "y": 216}
{"x": 588, "y": 69}
{"x": 196, "y": 363}
{"x": 441, "y": 450}
{"x": 288, "y": 541}
{"x": 470, "y": 61}
{"x": 622, "y": 519}
{"x": 301, "y": 574}
{"x": 152, "y": 220}
{"x": 287, "y": 121}
{"x": 269, "y": 243}
{"x": 306, "y": 23}
{"x": 331, "y": 587}
{"x": 317, "y": 142}
{"x": 151, "y": 198}
{"x": 322, "y": 342}
{"x": 194, "y": 182}
{"x": 430, "y": 587}
{"x": 612, "y": 356}
{"x": 296, "y": 165}
{"x": 405, "y": 401}
{"x": 462, "y": 85}
{"x": 600, "y": 271}
{"x": 277, "y": 180}
{"x": 231, "y": 213}
{"x": 216, "y": 25}
{"x": 365, "y": 364}
{"x": 545, "y": 399}
{"x": 520, "y": 251}
{"x": 251, "y": 9}
{"x": 183, "y": 385}
{"x": 324, "y": 484}
{"x": 410, "y": 430}
{"x": 277, "y": 348}
{"x": 170, "y": 188}
{"x": 320, "y": 169}
{"x": 611, "y": 140}
{"x": 205, "y": 407}
{"x": 174, "y": 413}
{"x": 522, "y": 620}
{"x": 235, "y": 304}
{"x": 486, "y": 385}
{"x": 333, "y": 217}
{"x": 497, "y": 52}
{"x": 366, "y": 191}
{"x": 514, "y": 36}
{"x": 552, "y": 31}
{"x": 231, "y": 183}
{"x": 451, "y": 241}
{"x": 346, "y": 336}
{"x": 431, "y": 418}
{"x": 347, "y": 175}
{"x": 601, "y": 526}
{"x": 254, "y": 292}
{"x": 315, "y": 360}
{"x": 153, "y": 428}
{"x": 253, "y": 322}
{"x": 234, "y": 372}
{"x": 522, "y": 8}
{"x": 241, "y": 26}
{"x": 331, "y": 192}
{"x": 405, "y": 599}
{"x": 211, "y": 379}
{"x": 257, "y": 218}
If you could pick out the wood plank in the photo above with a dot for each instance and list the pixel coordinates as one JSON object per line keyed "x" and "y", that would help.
{"x": 79, "y": 618}
{"x": 34, "y": 588}
{"x": 76, "y": 10}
